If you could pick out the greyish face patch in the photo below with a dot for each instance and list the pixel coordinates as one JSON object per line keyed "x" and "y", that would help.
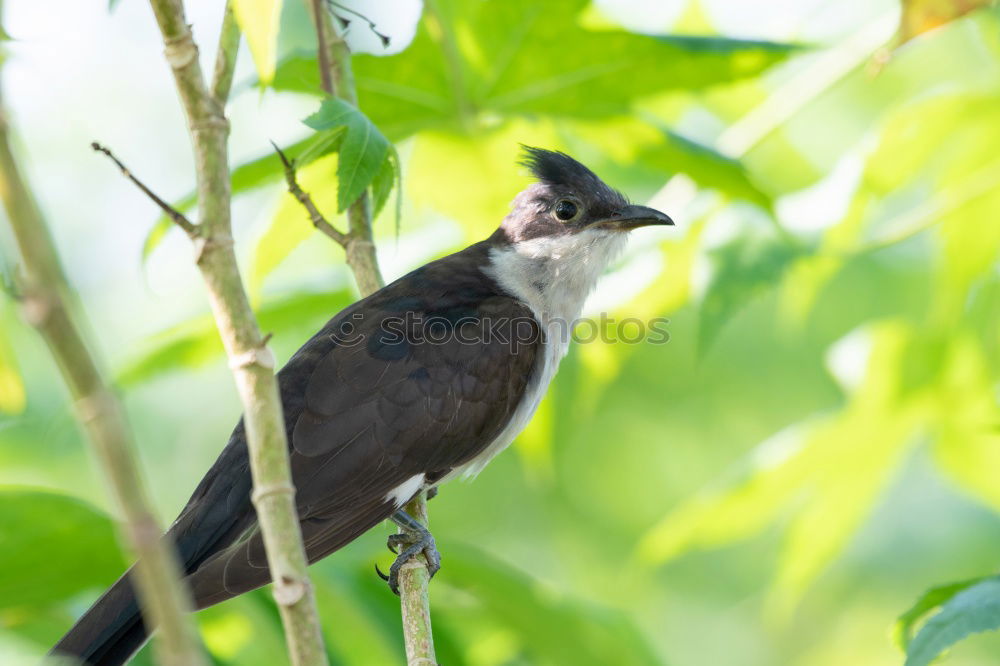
{"x": 569, "y": 199}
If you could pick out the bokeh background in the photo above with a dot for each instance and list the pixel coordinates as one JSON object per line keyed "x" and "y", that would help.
{"x": 818, "y": 443}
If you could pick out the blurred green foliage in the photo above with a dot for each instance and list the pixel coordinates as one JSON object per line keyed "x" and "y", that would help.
{"x": 818, "y": 443}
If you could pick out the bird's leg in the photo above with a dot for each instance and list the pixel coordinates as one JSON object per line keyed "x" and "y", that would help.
{"x": 413, "y": 540}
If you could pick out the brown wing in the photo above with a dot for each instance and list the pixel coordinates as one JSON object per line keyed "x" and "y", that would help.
{"x": 416, "y": 386}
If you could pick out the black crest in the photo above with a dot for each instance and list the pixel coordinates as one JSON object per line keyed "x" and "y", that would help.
{"x": 559, "y": 169}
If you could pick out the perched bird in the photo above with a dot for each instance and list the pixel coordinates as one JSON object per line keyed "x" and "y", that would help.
{"x": 423, "y": 381}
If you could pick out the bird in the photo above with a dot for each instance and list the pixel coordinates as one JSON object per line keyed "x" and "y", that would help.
{"x": 419, "y": 383}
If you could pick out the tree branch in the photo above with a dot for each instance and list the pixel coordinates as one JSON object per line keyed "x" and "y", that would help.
{"x": 323, "y": 52}
{"x": 178, "y": 217}
{"x": 303, "y": 197}
{"x": 225, "y": 56}
{"x": 47, "y": 304}
{"x": 414, "y": 598}
{"x": 338, "y": 79}
{"x": 250, "y": 359}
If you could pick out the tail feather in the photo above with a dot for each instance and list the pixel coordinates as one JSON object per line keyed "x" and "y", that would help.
{"x": 110, "y": 632}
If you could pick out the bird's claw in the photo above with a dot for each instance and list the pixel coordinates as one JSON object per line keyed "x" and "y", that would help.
{"x": 394, "y": 541}
{"x": 416, "y": 543}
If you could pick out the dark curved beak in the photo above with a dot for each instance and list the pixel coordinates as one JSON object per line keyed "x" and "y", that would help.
{"x": 633, "y": 217}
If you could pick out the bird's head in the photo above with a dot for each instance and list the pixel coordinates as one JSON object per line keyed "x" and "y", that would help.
{"x": 568, "y": 200}
{"x": 561, "y": 234}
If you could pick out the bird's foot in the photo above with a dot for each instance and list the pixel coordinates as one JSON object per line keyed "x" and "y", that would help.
{"x": 412, "y": 541}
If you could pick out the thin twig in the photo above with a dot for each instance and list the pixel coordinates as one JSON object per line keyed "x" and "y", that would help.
{"x": 251, "y": 361}
{"x": 178, "y": 217}
{"x": 303, "y": 197}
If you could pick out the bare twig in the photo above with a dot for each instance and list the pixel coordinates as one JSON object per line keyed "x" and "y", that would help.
{"x": 315, "y": 216}
{"x": 47, "y": 303}
{"x": 250, "y": 359}
{"x": 178, "y": 217}
{"x": 338, "y": 79}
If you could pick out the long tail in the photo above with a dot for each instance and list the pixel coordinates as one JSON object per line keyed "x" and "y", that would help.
{"x": 110, "y": 632}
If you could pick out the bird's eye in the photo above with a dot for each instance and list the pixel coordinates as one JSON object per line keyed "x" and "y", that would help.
{"x": 565, "y": 210}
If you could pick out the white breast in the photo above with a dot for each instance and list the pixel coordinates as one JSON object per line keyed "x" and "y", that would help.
{"x": 553, "y": 277}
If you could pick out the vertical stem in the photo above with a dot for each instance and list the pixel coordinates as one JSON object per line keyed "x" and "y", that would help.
{"x": 225, "y": 57}
{"x": 250, "y": 359}
{"x": 360, "y": 250}
{"x": 47, "y": 306}
{"x": 414, "y": 598}
{"x": 337, "y": 78}
{"x": 323, "y": 28}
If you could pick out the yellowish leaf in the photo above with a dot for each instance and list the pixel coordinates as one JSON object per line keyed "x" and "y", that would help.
{"x": 482, "y": 176}
{"x": 967, "y": 442}
{"x": 825, "y": 473}
{"x": 12, "y": 393}
{"x": 920, "y": 16}
{"x": 290, "y": 225}
{"x": 259, "y": 20}
{"x": 667, "y": 293}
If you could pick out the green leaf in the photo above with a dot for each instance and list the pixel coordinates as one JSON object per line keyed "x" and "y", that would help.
{"x": 826, "y": 473}
{"x": 352, "y": 625}
{"x": 321, "y": 144}
{"x": 971, "y": 610}
{"x": 947, "y": 179}
{"x": 706, "y": 166}
{"x": 290, "y": 225}
{"x": 798, "y": 153}
{"x": 484, "y": 59}
{"x": 966, "y": 445}
{"x": 362, "y": 150}
{"x": 928, "y": 601}
{"x": 298, "y": 72}
{"x": 246, "y": 177}
{"x": 245, "y": 631}
{"x": 259, "y": 20}
{"x": 80, "y": 540}
{"x": 744, "y": 268}
{"x": 388, "y": 176}
{"x": 196, "y": 342}
{"x": 550, "y": 628}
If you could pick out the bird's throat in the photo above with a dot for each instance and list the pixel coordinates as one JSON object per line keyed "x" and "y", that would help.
{"x": 554, "y": 275}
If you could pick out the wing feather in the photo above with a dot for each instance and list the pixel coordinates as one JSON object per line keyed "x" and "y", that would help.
{"x": 366, "y": 414}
